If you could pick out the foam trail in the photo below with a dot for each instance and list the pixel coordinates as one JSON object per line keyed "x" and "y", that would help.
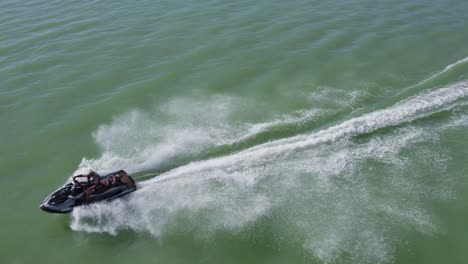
{"x": 462, "y": 61}
{"x": 345, "y": 199}
{"x": 405, "y": 111}
{"x": 362, "y": 195}
{"x": 194, "y": 127}
{"x": 452, "y": 65}
{"x": 300, "y": 118}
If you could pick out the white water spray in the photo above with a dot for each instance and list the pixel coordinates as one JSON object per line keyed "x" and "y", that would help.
{"x": 323, "y": 190}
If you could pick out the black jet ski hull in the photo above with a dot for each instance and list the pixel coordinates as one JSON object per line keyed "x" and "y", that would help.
{"x": 66, "y": 204}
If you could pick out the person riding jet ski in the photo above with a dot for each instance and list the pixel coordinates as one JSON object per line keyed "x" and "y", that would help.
{"x": 88, "y": 188}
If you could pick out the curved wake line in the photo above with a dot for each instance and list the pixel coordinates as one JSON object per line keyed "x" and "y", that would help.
{"x": 362, "y": 195}
{"x": 452, "y": 65}
{"x": 195, "y": 127}
{"x": 399, "y": 113}
{"x": 462, "y": 61}
{"x": 177, "y": 140}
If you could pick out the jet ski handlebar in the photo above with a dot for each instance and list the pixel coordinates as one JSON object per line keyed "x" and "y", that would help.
{"x": 89, "y": 178}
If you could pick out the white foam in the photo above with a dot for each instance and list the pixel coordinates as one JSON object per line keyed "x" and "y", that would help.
{"x": 405, "y": 111}
{"x": 321, "y": 190}
{"x": 446, "y": 69}
{"x": 137, "y": 141}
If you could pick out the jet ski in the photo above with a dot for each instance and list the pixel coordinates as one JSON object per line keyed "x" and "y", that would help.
{"x": 87, "y": 189}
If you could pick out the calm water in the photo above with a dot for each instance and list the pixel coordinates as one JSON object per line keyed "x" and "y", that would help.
{"x": 258, "y": 131}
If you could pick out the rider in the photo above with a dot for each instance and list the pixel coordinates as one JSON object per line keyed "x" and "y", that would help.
{"x": 91, "y": 185}
{"x": 94, "y": 184}
{"x": 92, "y": 178}
{"x": 98, "y": 185}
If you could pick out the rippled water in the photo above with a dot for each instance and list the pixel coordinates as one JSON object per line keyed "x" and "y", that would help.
{"x": 258, "y": 132}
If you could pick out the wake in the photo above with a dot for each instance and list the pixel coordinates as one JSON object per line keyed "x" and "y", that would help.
{"x": 402, "y": 112}
{"x": 329, "y": 194}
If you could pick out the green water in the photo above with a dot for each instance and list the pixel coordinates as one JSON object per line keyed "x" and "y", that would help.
{"x": 258, "y": 131}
